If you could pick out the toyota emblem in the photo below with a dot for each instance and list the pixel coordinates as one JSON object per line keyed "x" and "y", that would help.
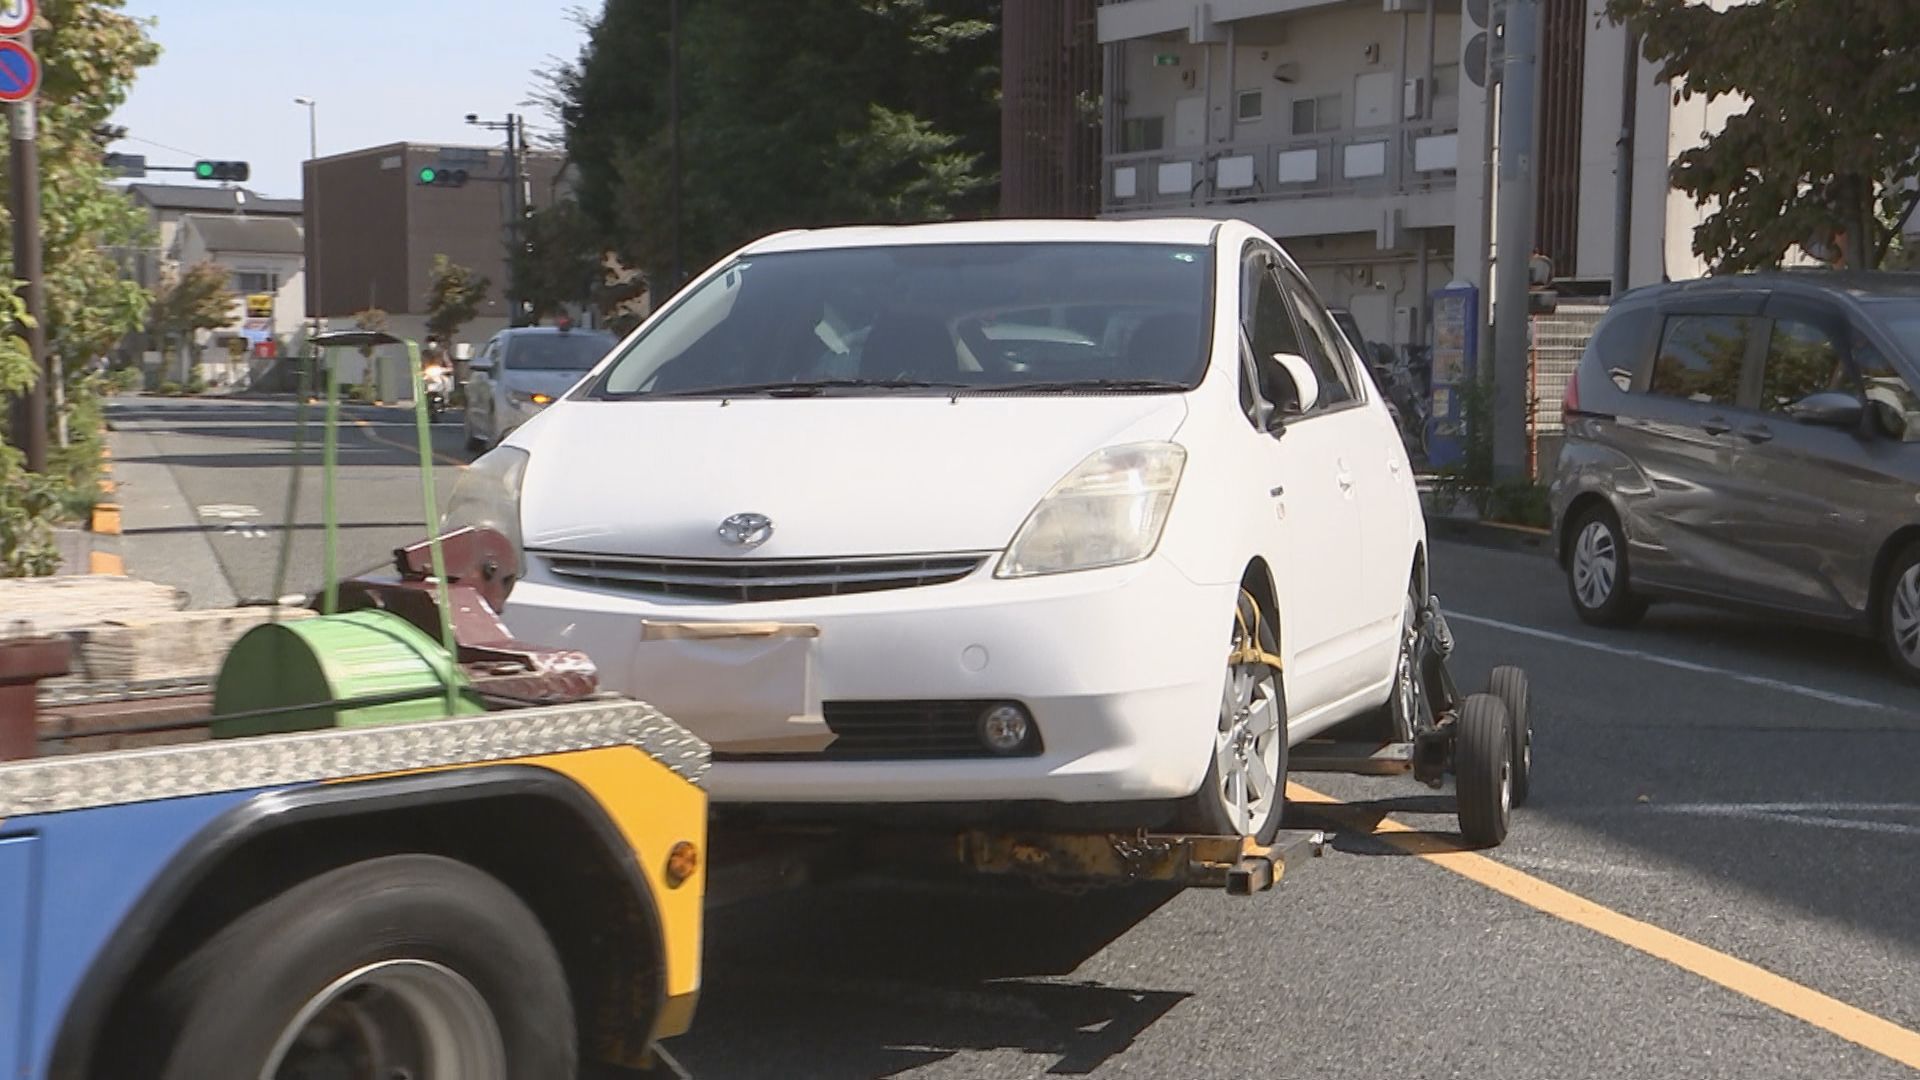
{"x": 747, "y": 530}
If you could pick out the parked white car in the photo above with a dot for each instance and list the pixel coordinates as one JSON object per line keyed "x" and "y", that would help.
{"x": 1086, "y": 516}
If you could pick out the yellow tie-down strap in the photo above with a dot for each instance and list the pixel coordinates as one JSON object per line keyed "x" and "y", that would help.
{"x": 1249, "y": 650}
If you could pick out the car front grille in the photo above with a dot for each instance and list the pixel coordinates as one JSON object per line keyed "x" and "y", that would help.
{"x": 899, "y": 731}
{"x": 749, "y": 580}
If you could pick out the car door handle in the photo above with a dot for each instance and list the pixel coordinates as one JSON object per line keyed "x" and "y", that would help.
{"x": 1758, "y": 434}
{"x": 1714, "y": 425}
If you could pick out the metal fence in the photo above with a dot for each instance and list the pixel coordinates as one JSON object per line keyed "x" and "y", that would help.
{"x": 1558, "y": 341}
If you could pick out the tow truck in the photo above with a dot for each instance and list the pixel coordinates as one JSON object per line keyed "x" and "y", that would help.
{"x": 388, "y": 839}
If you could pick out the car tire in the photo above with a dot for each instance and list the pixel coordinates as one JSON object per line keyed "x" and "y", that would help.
{"x": 1509, "y": 684}
{"x": 1599, "y": 581}
{"x": 1249, "y": 739}
{"x": 1483, "y": 770}
{"x": 1900, "y": 612}
{"x": 362, "y": 954}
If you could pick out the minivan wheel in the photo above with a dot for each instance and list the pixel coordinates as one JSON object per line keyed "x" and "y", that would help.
{"x": 1597, "y": 576}
{"x": 1244, "y": 793}
{"x": 1900, "y": 614}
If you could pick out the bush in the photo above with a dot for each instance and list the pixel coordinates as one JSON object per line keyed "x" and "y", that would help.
{"x": 1519, "y": 502}
{"x": 28, "y": 506}
{"x": 126, "y": 380}
{"x": 168, "y": 388}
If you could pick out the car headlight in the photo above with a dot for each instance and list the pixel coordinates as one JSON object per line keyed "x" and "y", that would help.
{"x": 487, "y": 495}
{"x": 1109, "y": 511}
{"x": 535, "y": 400}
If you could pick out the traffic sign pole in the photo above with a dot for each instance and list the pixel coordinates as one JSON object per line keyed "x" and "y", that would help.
{"x": 30, "y": 411}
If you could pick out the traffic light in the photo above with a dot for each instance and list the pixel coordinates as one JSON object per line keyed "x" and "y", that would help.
{"x": 434, "y": 176}
{"x": 221, "y": 170}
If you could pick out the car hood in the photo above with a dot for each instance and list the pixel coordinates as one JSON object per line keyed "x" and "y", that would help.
{"x": 838, "y": 477}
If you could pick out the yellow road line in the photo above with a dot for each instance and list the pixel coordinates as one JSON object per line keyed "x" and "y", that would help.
{"x": 374, "y": 434}
{"x": 1857, "y": 1026}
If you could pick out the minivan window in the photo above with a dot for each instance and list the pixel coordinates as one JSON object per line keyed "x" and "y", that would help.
{"x": 1619, "y": 345}
{"x": 1322, "y": 340}
{"x": 1043, "y": 317}
{"x": 1895, "y": 406}
{"x": 1802, "y": 359}
{"x": 1701, "y": 357}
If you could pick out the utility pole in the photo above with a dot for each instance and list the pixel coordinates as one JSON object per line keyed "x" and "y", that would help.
{"x": 673, "y": 125}
{"x": 1512, "y": 323}
{"x": 30, "y": 410}
{"x": 1623, "y": 163}
{"x": 516, "y": 212}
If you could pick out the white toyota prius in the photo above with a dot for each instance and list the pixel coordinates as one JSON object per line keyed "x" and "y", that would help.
{"x": 1049, "y": 520}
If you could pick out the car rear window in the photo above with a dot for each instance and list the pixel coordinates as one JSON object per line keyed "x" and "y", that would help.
{"x": 1618, "y": 346}
{"x": 572, "y": 351}
{"x": 1700, "y": 358}
{"x": 999, "y": 316}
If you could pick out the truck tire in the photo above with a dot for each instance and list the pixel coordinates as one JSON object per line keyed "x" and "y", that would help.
{"x": 448, "y": 970}
{"x": 1483, "y": 770}
{"x": 1509, "y": 684}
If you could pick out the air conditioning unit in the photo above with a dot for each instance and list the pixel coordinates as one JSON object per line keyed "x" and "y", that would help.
{"x": 1414, "y": 103}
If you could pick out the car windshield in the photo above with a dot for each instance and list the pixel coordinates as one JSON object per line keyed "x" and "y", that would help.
{"x": 1009, "y": 317}
{"x": 572, "y": 351}
{"x": 1901, "y": 320}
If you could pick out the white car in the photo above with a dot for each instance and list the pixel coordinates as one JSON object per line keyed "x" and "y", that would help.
{"x": 523, "y": 370}
{"x": 1070, "y": 520}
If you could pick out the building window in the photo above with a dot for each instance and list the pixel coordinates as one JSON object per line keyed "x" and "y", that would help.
{"x": 1248, "y": 107}
{"x": 256, "y": 281}
{"x": 1316, "y": 115}
{"x": 1143, "y": 133}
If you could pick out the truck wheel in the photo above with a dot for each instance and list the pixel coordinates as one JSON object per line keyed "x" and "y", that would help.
{"x": 1245, "y": 791}
{"x": 1509, "y": 684}
{"x": 1483, "y": 770}
{"x": 408, "y": 965}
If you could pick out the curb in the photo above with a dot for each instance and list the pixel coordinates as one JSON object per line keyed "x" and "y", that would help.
{"x": 1494, "y": 534}
{"x": 106, "y": 522}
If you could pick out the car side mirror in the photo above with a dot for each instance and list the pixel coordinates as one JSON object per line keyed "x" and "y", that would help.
{"x": 1306, "y": 387}
{"x": 482, "y": 366}
{"x": 1828, "y": 408}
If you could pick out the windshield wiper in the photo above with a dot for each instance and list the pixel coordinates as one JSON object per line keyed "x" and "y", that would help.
{"x": 808, "y": 387}
{"x": 1066, "y": 386}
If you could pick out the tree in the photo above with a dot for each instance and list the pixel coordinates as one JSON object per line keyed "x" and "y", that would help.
{"x": 454, "y": 296}
{"x": 567, "y": 262}
{"x": 884, "y": 110}
{"x": 188, "y": 301}
{"x": 1831, "y": 131}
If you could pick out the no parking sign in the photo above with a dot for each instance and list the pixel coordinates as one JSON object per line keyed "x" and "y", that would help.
{"x": 19, "y": 67}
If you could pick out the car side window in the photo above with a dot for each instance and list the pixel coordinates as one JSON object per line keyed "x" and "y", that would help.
{"x": 1270, "y": 330}
{"x": 1896, "y": 408}
{"x": 1619, "y": 345}
{"x": 1701, "y": 358}
{"x": 1802, "y": 359}
{"x": 1322, "y": 341}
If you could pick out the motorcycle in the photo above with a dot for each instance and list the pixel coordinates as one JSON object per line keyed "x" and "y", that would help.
{"x": 439, "y": 385}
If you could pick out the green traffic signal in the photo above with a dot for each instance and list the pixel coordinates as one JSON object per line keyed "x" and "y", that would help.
{"x": 427, "y": 176}
{"x": 204, "y": 170}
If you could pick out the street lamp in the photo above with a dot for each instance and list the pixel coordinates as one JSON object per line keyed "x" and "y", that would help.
{"x": 311, "y": 208}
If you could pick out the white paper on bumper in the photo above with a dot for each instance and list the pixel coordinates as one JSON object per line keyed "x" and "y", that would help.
{"x": 742, "y": 687}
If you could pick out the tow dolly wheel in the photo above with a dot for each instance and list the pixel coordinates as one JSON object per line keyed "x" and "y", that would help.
{"x": 1509, "y": 684}
{"x": 1483, "y": 770}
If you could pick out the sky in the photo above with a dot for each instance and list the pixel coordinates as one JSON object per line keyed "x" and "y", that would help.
{"x": 381, "y": 71}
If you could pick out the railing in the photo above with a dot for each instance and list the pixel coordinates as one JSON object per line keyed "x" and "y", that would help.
{"x": 1402, "y": 159}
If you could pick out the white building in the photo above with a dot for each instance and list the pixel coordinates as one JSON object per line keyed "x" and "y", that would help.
{"x": 265, "y": 258}
{"x": 1355, "y": 132}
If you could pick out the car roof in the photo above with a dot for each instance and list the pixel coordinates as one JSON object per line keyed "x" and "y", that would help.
{"x": 998, "y": 231}
{"x": 1856, "y": 285}
{"x": 542, "y": 331}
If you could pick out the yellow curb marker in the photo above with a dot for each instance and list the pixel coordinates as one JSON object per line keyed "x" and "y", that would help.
{"x": 1857, "y": 1026}
{"x": 106, "y": 522}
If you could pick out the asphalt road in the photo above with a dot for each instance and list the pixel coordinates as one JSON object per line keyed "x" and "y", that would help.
{"x": 1718, "y": 874}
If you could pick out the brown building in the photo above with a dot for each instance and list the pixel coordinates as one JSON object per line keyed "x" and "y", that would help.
{"x": 1051, "y": 68}
{"x": 373, "y": 228}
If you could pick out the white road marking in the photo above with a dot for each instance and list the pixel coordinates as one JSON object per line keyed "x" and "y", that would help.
{"x": 1828, "y": 696}
{"x": 1819, "y": 815}
{"x": 239, "y": 518}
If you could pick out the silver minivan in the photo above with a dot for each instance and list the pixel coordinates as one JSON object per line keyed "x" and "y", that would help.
{"x": 1750, "y": 441}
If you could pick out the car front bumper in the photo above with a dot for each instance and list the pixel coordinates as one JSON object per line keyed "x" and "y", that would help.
{"x": 1121, "y": 670}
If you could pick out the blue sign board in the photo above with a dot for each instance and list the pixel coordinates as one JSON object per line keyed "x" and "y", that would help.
{"x": 19, "y": 71}
{"x": 1456, "y": 346}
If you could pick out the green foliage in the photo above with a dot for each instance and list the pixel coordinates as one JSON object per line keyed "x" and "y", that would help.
{"x": 566, "y": 261}
{"x": 16, "y": 359}
{"x": 1519, "y": 502}
{"x": 126, "y": 380}
{"x": 198, "y": 298}
{"x": 454, "y": 296}
{"x": 875, "y": 110}
{"x": 28, "y": 505}
{"x": 1832, "y": 127}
